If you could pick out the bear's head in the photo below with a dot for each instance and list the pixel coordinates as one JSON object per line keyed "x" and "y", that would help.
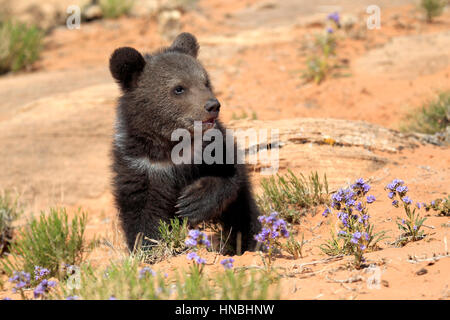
{"x": 165, "y": 90}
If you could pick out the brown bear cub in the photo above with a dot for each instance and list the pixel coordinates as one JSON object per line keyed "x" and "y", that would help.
{"x": 162, "y": 92}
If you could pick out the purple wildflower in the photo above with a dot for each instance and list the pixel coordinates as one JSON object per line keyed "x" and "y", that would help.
{"x": 192, "y": 255}
{"x": 334, "y": 16}
{"x": 406, "y": 200}
{"x": 370, "y": 199}
{"x": 146, "y": 271}
{"x": 43, "y": 288}
{"x": 273, "y": 228}
{"x": 22, "y": 280}
{"x": 227, "y": 263}
{"x": 40, "y": 273}
{"x": 199, "y": 260}
{"x": 359, "y": 206}
{"x": 197, "y": 239}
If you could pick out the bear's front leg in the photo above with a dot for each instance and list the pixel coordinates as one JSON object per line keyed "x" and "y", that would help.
{"x": 206, "y": 198}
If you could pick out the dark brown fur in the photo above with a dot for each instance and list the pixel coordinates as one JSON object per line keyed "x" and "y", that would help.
{"x": 147, "y": 187}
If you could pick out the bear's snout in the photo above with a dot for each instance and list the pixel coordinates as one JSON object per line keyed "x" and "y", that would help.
{"x": 213, "y": 107}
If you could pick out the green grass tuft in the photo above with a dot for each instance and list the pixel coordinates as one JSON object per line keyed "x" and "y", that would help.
{"x": 113, "y": 9}
{"x": 9, "y": 212}
{"x": 48, "y": 241}
{"x": 171, "y": 243}
{"x": 20, "y": 46}
{"x": 433, "y": 8}
{"x": 431, "y": 118}
{"x": 125, "y": 281}
{"x": 291, "y": 196}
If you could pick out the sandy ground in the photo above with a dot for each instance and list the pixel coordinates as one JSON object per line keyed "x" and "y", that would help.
{"x": 56, "y": 126}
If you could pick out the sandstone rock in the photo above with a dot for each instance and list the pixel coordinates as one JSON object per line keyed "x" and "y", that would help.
{"x": 339, "y": 148}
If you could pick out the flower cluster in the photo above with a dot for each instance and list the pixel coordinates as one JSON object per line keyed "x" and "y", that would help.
{"x": 441, "y": 206}
{"x": 397, "y": 192}
{"x": 21, "y": 279}
{"x": 197, "y": 239}
{"x": 43, "y": 288}
{"x": 146, "y": 271}
{"x": 196, "y": 258}
{"x": 40, "y": 273}
{"x": 227, "y": 263}
{"x": 334, "y": 16}
{"x": 397, "y": 189}
{"x": 351, "y": 205}
{"x": 273, "y": 228}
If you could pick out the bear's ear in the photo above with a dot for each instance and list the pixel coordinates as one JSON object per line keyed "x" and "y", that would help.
{"x": 186, "y": 43}
{"x": 125, "y": 65}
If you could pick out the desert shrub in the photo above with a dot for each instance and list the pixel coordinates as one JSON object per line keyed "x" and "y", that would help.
{"x": 433, "y": 8}
{"x": 433, "y": 117}
{"x": 126, "y": 280}
{"x": 113, "y": 9}
{"x": 20, "y": 46}
{"x": 49, "y": 242}
{"x": 171, "y": 242}
{"x": 292, "y": 195}
{"x": 9, "y": 212}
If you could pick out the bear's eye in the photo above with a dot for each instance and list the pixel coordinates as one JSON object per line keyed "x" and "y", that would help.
{"x": 207, "y": 84}
{"x": 178, "y": 90}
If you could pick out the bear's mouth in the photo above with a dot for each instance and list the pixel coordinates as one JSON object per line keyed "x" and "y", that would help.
{"x": 209, "y": 123}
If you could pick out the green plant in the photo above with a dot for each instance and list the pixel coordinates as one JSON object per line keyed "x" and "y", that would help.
{"x": 48, "y": 241}
{"x": 9, "y": 212}
{"x": 244, "y": 115}
{"x": 113, "y": 9}
{"x": 238, "y": 285}
{"x": 292, "y": 195}
{"x": 431, "y": 118}
{"x": 441, "y": 206}
{"x": 411, "y": 226}
{"x": 317, "y": 69}
{"x": 127, "y": 281}
{"x": 20, "y": 46}
{"x": 433, "y": 8}
{"x": 294, "y": 247}
{"x": 356, "y": 235}
{"x": 321, "y": 63}
{"x": 273, "y": 230}
{"x": 171, "y": 243}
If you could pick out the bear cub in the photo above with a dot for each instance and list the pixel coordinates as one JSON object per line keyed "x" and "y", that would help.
{"x": 162, "y": 92}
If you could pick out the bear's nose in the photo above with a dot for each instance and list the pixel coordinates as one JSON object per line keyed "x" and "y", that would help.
{"x": 213, "y": 105}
